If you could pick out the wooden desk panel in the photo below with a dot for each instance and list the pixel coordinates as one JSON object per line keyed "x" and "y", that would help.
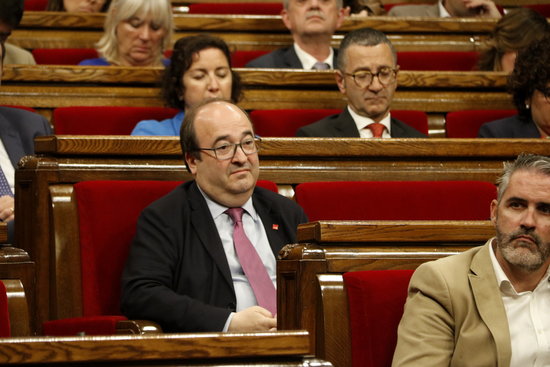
{"x": 211, "y": 349}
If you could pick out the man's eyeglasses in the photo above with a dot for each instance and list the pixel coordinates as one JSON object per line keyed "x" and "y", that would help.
{"x": 227, "y": 151}
{"x": 363, "y": 78}
{"x": 546, "y": 93}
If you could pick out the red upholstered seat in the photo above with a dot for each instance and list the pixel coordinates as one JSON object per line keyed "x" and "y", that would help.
{"x": 285, "y": 122}
{"x": 437, "y": 60}
{"x": 107, "y": 214}
{"x": 273, "y": 8}
{"x": 543, "y": 9}
{"x": 240, "y": 58}
{"x": 5, "y": 330}
{"x": 376, "y": 299}
{"x": 396, "y": 200}
{"x": 466, "y": 123}
{"x": 35, "y": 5}
{"x": 105, "y": 120}
{"x": 62, "y": 56}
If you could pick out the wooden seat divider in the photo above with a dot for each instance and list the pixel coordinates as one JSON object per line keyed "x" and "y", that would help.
{"x": 65, "y": 160}
{"x": 41, "y": 29}
{"x": 46, "y": 87}
{"x": 310, "y": 291}
{"x": 289, "y": 348}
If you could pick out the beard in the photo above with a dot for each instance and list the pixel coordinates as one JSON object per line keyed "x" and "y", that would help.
{"x": 521, "y": 253}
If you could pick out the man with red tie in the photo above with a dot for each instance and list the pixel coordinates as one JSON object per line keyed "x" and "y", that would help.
{"x": 203, "y": 258}
{"x": 367, "y": 76}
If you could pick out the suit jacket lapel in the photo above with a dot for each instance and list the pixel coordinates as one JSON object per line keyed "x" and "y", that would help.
{"x": 269, "y": 220}
{"x": 207, "y": 232}
{"x": 11, "y": 140}
{"x": 345, "y": 126}
{"x": 291, "y": 60}
{"x": 489, "y": 302}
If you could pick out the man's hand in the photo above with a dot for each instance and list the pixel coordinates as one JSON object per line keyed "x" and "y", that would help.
{"x": 484, "y": 8}
{"x": 254, "y": 318}
{"x": 6, "y": 208}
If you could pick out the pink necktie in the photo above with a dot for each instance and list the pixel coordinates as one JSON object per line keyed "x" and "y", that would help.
{"x": 377, "y": 129}
{"x": 252, "y": 264}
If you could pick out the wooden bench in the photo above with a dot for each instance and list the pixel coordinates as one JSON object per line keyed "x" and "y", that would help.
{"x": 46, "y": 87}
{"x": 17, "y": 274}
{"x": 206, "y": 349}
{"x": 65, "y": 160}
{"x": 256, "y": 32}
{"x": 309, "y": 284}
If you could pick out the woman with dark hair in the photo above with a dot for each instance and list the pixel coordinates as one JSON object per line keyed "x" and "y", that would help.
{"x": 78, "y": 6}
{"x": 513, "y": 32}
{"x": 529, "y": 84}
{"x": 199, "y": 69}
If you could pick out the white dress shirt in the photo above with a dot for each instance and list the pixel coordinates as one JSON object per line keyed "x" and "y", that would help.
{"x": 528, "y": 316}
{"x": 308, "y": 61}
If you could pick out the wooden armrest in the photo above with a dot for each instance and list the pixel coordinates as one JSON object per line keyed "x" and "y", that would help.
{"x": 137, "y": 327}
{"x": 18, "y": 307}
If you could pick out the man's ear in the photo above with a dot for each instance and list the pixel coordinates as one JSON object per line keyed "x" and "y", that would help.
{"x": 342, "y": 13}
{"x": 494, "y": 208}
{"x": 340, "y": 81}
{"x": 286, "y": 19}
{"x": 191, "y": 161}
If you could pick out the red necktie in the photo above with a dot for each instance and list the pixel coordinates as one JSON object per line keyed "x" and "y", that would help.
{"x": 252, "y": 264}
{"x": 377, "y": 129}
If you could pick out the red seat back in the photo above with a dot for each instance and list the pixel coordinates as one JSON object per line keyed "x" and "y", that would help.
{"x": 237, "y": 8}
{"x": 35, "y": 5}
{"x": 63, "y": 56}
{"x": 5, "y": 330}
{"x": 396, "y": 200}
{"x": 543, "y": 9}
{"x": 437, "y": 60}
{"x": 240, "y": 58}
{"x": 105, "y": 120}
{"x": 285, "y": 122}
{"x": 376, "y": 300}
{"x": 466, "y": 123}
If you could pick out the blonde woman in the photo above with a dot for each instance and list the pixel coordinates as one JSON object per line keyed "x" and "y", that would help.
{"x": 136, "y": 34}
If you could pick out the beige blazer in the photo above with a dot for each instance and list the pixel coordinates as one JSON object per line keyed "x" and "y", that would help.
{"x": 454, "y": 315}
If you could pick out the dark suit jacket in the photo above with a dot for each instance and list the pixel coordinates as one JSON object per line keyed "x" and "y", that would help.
{"x": 342, "y": 126}
{"x": 177, "y": 274}
{"x": 283, "y": 58}
{"x": 510, "y": 127}
{"x": 18, "y": 128}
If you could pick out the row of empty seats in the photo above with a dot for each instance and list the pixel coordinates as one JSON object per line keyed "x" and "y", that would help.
{"x": 115, "y": 120}
{"x": 407, "y": 60}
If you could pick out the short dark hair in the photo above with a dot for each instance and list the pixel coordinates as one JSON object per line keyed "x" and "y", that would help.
{"x": 57, "y": 5}
{"x": 188, "y": 137}
{"x": 531, "y": 72}
{"x": 11, "y": 12}
{"x": 362, "y": 37}
{"x": 528, "y": 162}
{"x": 181, "y": 61}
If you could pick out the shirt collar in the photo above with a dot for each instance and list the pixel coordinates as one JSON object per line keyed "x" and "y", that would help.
{"x": 308, "y": 61}
{"x": 503, "y": 281}
{"x": 217, "y": 209}
{"x": 362, "y": 121}
{"x": 443, "y": 13}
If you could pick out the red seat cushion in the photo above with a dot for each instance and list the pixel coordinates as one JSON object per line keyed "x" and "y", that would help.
{"x": 466, "y": 123}
{"x": 5, "y": 330}
{"x": 437, "y": 60}
{"x": 396, "y": 200}
{"x": 543, "y": 9}
{"x": 240, "y": 58}
{"x": 35, "y": 5}
{"x": 237, "y": 8}
{"x": 413, "y": 118}
{"x": 376, "y": 301}
{"x": 63, "y": 56}
{"x": 105, "y": 120}
{"x": 92, "y": 325}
